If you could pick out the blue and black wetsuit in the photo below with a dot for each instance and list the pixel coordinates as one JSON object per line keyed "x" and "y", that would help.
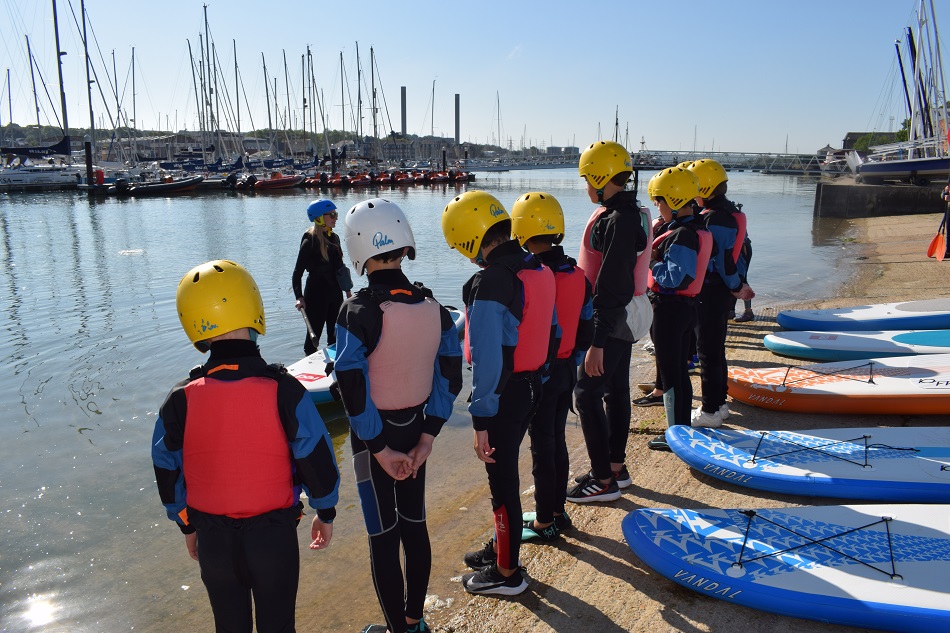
{"x": 674, "y": 312}
{"x": 724, "y": 276}
{"x": 549, "y": 458}
{"x": 394, "y": 511}
{"x": 232, "y": 446}
{"x": 507, "y": 363}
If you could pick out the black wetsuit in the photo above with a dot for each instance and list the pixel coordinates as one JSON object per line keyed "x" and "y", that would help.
{"x": 322, "y": 293}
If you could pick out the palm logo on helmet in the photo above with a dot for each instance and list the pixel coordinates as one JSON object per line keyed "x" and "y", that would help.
{"x": 374, "y": 227}
{"x": 218, "y": 297}
{"x": 466, "y": 219}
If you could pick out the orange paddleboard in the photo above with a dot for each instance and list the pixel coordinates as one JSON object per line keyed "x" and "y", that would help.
{"x": 905, "y": 385}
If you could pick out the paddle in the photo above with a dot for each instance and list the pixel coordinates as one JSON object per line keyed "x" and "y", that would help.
{"x": 313, "y": 337}
{"x": 938, "y": 245}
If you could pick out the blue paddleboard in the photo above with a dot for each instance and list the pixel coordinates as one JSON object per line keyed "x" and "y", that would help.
{"x": 930, "y": 314}
{"x": 834, "y": 346}
{"x": 880, "y": 566}
{"x": 904, "y": 464}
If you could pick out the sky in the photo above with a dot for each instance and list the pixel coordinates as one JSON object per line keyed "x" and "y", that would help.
{"x": 732, "y": 75}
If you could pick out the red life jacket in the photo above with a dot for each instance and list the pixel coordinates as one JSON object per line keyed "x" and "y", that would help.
{"x": 591, "y": 260}
{"x": 534, "y": 331}
{"x": 401, "y": 366}
{"x": 702, "y": 262}
{"x": 235, "y": 455}
{"x": 571, "y": 289}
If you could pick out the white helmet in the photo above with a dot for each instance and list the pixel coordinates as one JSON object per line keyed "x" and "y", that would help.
{"x": 373, "y": 227}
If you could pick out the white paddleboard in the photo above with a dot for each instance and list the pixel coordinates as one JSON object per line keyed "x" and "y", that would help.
{"x": 832, "y": 346}
{"x": 902, "y": 464}
{"x": 930, "y": 314}
{"x": 908, "y": 385}
{"x": 875, "y": 566}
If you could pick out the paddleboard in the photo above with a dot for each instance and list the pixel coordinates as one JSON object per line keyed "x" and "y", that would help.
{"x": 832, "y": 346}
{"x": 930, "y": 314}
{"x": 312, "y": 370}
{"x": 874, "y": 566}
{"x": 909, "y": 465}
{"x": 911, "y": 385}
{"x": 312, "y": 373}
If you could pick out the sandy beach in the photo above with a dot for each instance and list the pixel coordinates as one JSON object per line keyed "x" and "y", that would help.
{"x": 591, "y": 581}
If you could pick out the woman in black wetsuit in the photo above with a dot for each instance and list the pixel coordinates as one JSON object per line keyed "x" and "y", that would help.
{"x": 322, "y": 257}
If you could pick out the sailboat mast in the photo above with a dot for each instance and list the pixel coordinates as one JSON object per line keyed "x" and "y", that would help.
{"x": 270, "y": 124}
{"x": 237, "y": 93}
{"x": 938, "y": 66}
{"x": 10, "y": 106}
{"x": 194, "y": 82}
{"x": 359, "y": 96}
{"x": 286, "y": 92}
{"x": 59, "y": 68}
{"x": 372, "y": 80}
{"x": 85, "y": 44}
{"x": 36, "y": 103}
{"x": 135, "y": 149}
{"x": 342, "y": 97}
{"x": 432, "y": 121}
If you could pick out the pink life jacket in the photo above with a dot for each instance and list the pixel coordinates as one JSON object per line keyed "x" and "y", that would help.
{"x": 571, "y": 288}
{"x": 740, "y": 233}
{"x": 702, "y": 262}
{"x": 591, "y": 260}
{"x": 402, "y": 365}
{"x": 235, "y": 455}
{"x": 534, "y": 331}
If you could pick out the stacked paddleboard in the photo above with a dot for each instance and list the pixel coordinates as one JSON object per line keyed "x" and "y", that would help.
{"x": 931, "y": 314}
{"x": 901, "y": 464}
{"x": 834, "y": 346}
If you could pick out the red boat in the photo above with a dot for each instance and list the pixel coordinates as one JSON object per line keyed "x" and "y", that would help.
{"x": 278, "y": 180}
{"x": 361, "y": 180}
{"x": 338, "y": 180}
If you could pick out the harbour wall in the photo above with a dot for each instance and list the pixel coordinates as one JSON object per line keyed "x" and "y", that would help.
{"x": 848, "y": 199}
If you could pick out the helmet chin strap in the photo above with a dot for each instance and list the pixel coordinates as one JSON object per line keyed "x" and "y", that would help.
{"x": 600, "y": 196}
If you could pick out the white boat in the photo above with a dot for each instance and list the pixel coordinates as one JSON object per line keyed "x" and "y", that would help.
{"x": 925, "y": 155}
{"x": 28, "y": 176}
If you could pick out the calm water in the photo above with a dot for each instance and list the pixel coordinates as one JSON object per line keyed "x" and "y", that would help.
{"x": 91, "y": 344}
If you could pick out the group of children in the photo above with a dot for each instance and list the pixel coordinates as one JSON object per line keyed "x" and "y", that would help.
{"x": 542, "y": 331}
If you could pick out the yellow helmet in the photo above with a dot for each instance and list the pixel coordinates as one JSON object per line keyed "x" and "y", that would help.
{"x": 536, "y": 213}
{"x": 685, "y": 164}
{"x": 710, "y": 175}
{"x": 676, "y": 185}
{"x": 602, "y": 161}
{"x": 216, "y": 298}
{"x": 467, "y": 217}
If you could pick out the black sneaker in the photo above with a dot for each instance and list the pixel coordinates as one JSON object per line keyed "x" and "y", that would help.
{"x": 547, "y": 534}
{"x": 483, "y": 557}
{"x": 490, "y": 581}
{"x": 658, "y": 443}
{"x": 561, "y": 521}
{"x": 622, "y": 477}
{"x": 649, "y": 400}
{"x": 590, "y": 489}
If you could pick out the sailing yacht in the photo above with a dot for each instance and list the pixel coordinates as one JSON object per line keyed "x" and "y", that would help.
{"x": 925, "y": 155}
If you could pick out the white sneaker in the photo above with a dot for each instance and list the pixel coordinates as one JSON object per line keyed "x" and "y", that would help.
{"x": 701, "y": 419}
{"x": 724, "y": 412}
